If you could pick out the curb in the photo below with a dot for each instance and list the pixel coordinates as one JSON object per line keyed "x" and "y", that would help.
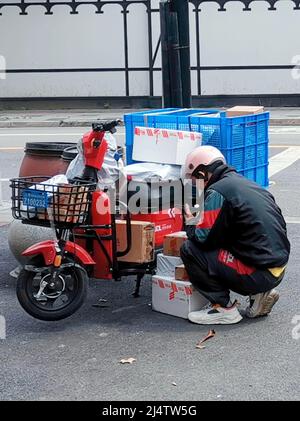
{"x": 5, "y": 215}
{"x": 58, "y": 123}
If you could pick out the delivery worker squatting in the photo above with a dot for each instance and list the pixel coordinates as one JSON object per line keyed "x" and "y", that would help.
{"x": 241, "y": 245}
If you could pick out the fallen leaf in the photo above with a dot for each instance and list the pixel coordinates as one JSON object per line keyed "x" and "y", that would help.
{"x": 210, "y": 334}
{"x": 127, "y": 360}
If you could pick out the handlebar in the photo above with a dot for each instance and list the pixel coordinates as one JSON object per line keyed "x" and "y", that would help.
{"x": 106, "y": 126}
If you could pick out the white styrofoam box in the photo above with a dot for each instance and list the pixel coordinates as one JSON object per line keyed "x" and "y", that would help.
{"x": 177, "y": 298}
{"x": 166, "y": 265}
{"x": 163, "y": 145}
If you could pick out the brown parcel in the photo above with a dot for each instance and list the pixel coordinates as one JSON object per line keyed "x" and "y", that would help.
{"x": 181, "y": 273}
{"x": 142, "y": 248}
{"x": 70, "y": 203}
{"x": 173, "y": 242}
{"x": 240, "y": 110}
{"x": 61, "y": 205}
{"x": 64, "y": 203}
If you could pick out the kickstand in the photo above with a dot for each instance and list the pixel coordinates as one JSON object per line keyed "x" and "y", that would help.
{"x": 136, "y": 292}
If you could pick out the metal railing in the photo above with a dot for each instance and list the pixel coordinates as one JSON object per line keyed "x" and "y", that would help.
{"x": 153, "y": 48}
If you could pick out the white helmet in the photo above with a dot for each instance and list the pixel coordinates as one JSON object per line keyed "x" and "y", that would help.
{"x": 201, "y": 160}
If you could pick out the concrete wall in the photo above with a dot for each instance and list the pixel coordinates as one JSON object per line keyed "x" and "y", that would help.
{"x": 90, "y": 40}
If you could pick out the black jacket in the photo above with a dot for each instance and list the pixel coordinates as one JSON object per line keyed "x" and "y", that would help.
{"x": 242, "y": 217}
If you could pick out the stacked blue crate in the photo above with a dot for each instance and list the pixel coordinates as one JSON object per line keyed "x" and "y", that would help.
{"x": 166, "y": 118}
{"x": 243, "y": 140}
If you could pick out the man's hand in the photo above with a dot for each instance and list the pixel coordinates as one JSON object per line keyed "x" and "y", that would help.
{"x": 190, "y": 219}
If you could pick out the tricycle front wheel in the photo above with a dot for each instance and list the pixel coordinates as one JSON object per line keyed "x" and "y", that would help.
{"x": 60, "y": 297}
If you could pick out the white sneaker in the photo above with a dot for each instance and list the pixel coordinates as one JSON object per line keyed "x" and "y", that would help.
{"x": 216, "y": 315}
{"x": 262, "y": 304}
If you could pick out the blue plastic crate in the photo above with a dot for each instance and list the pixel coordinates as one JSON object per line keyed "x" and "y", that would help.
{"x": 166, "y": 118}
{"x": 258, "y": 174}
{"x": 243, "y": 141}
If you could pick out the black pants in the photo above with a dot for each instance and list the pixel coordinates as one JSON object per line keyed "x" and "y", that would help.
{"x": 216, "y": 272}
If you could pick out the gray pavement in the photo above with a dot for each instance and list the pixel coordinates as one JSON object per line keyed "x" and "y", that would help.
{"x": 74, "y": 117}
{"x": 78, "y": 358}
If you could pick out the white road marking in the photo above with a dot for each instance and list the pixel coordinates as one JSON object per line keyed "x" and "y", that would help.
{"x": 292, "y": 220}
{"x": 19, "y": 148}
{"x": 284, "y": 146}
{"x": 40, "y": 134}
{"x": 15, "y": 148}
{"x": 51, "y": 134}
{"x": 284, "y": 130}
{"x": 283, "y": 160}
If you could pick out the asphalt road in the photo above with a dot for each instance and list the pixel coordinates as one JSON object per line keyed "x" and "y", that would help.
{"x": 78, "y": 358}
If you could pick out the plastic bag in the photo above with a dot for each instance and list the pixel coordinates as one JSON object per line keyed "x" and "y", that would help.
{"x": 156, "y": 186}
{"x": 110, "y": 170}
{"x": 145, "y": 171}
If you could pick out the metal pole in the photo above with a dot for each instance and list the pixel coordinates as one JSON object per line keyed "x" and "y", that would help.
{"x": 174, "y": 62}
{"x": 171, "y": 73}
{"x": 164, "y": 10}
{"x": 181, "y": 7}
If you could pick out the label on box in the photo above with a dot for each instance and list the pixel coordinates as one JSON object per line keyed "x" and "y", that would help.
{"x": 177, "y": 298}
{"x": 164, "y": 146}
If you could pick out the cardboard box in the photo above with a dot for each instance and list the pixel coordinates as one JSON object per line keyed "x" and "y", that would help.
{"x": 70, "y": 204}
{"x": 142, "y": 248}
{"x": 163, "y": 146}
{"x": 181, "y": 273}
{"x": 60, "y": 206}
{"x": 240, "y": 110}
{"x": 173, "y": 242}
{"x": 177, "y": 298}
{"x": 166, "y": 265}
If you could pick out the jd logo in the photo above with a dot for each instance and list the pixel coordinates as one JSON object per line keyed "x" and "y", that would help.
{"x": 2, "y": 328}
{"x": 296, "y": 329}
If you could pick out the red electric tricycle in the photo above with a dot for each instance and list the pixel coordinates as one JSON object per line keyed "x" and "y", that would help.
{"x": 53, "y": 284}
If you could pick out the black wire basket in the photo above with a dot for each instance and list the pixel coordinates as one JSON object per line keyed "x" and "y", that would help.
{"x": 36, "y": 202}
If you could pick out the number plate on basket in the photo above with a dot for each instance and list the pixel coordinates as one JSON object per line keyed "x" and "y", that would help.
{"x": 35, "y": 198}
